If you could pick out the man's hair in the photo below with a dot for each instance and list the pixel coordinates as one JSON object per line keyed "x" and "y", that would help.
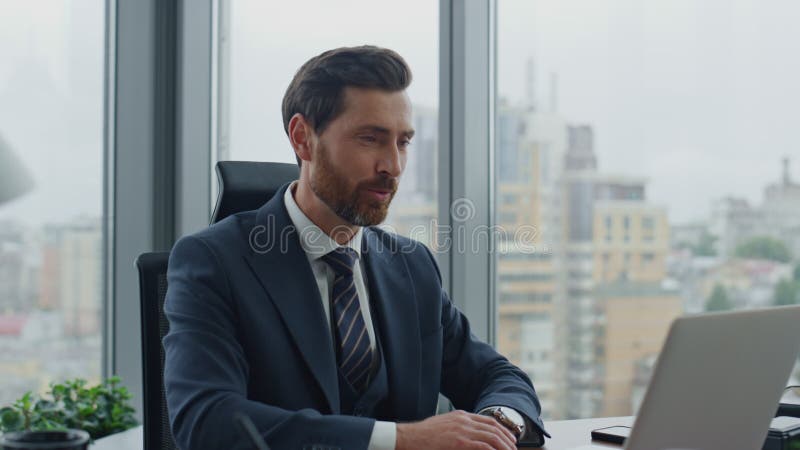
{"x": 317, "y": 89}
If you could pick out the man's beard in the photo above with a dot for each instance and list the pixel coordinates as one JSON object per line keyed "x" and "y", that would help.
{"x": 331, "y": 187}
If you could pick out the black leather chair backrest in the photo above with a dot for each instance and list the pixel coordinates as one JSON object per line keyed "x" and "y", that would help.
{"x": 152, "y": 291}
{"x": 246, "y": 185}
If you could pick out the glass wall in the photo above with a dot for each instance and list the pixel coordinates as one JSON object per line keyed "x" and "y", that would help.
{"x": 51, "y": 193}
{"x": 269, "y": 41}
{"x": 651, "y": 148}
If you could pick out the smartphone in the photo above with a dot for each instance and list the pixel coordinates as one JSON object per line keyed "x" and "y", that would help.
{"x": 615, "y": 435}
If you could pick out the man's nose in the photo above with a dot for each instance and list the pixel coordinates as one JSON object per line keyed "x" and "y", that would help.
{"x": 391, "y": 162}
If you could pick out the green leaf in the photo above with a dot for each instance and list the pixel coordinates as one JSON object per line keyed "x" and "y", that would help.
{"x": 58, "y": 391}
{"x": 25, "y": 403}
{"x": 11, "y": 419}
{"x": 44, "y": 405}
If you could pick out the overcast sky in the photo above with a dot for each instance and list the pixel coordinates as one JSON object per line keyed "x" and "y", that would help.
{"x": 698, "y": 96}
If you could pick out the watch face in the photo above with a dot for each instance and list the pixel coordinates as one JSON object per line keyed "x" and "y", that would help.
{"x": 508, "y": 423}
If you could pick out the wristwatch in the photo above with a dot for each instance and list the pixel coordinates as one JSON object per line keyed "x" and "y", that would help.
{"x": 503, "y": 415}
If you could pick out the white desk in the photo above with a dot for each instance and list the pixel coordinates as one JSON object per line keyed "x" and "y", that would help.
{"x": 132, "y": 439}
{"x": 573, "y": 433}
{"x": 566, "y": 434}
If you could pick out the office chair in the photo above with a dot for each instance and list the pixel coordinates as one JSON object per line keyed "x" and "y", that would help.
{"x": 243, "y": 186}
{"x": 152, "y": 290}
{"x": 246, "y": 185}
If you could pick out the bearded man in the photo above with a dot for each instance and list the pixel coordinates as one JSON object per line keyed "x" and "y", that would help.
{"x": 324, "y": 330}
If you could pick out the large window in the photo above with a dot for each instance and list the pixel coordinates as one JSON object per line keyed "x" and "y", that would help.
{"x": 51, "y": 193}
{"x": 269, "y": 41}
{"x": 649, "y": 144}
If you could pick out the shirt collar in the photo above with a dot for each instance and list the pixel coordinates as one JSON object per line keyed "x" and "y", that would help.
{"x": 314, "y": 241}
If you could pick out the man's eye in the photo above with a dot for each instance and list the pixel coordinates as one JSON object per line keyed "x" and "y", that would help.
{"x": 368, "y": 138}
{"x": 405, "y": 143}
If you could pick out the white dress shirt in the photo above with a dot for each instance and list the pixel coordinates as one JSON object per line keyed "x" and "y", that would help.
{"x": 317, "y": 244}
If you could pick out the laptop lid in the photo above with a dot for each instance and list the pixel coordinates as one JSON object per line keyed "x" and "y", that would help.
{"x": 718, "y": 381}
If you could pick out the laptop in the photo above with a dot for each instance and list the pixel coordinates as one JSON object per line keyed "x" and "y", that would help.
{"x": 718, "y": 381}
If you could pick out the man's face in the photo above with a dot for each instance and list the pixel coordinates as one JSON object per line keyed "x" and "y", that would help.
{"x": 359, "y": 157}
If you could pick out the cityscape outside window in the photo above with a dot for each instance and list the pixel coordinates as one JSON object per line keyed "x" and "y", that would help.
{"x": 51, "y": 193}
{"x": 657, "y": 141}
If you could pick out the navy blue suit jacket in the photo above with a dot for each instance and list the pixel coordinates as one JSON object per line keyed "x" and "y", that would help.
{"x": 248, "y": 335}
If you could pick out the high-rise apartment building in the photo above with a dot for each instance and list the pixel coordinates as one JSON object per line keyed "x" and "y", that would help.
{"x": 616, "y": 248}
{"x": 530, "y": 151}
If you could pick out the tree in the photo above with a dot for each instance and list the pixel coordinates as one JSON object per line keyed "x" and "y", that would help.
{"x": 705, "y": 245}
{"x": 718, "y": 301}
{"x": 787, "y": 292}
{"x": 764, "y": 247}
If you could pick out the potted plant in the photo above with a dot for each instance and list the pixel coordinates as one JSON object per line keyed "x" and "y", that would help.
{"x": 67, "y": 417}
{"x": 49, "y": 439}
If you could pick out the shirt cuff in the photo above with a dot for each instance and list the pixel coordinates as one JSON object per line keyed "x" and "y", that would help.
{"x": 384, "y": 436}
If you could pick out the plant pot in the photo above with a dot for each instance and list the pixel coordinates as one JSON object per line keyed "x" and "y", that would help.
{"x": 49, "y": 440}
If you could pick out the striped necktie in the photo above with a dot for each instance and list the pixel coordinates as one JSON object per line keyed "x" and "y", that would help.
{"x": 354, "y": 352}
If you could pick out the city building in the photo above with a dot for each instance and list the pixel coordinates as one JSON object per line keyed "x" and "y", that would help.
{"x": 599, "y": 247}
{"x": 633, "y": 321}
{"x": 734, "y": 220}
{"x": 80, "y": 259}
{"x": 781, "y": 211}
{"x": 617, "y": 245}
{"x": 748, "y": 283}
{"x": 18, "y": 268}
{"x": 530, "y": 286}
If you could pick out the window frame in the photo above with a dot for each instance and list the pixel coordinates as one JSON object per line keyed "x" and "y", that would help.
{"x": 158, "y": 137}
{"x": 467, "y": 122}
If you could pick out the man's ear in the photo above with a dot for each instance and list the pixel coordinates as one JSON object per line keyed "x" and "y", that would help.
{"x": 301, "y": 136}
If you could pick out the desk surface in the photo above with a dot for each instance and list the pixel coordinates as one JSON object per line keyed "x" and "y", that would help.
{"x": 127, "y": 440}
{"x": 573, "y": 433}
{"x": 566, "y": 434}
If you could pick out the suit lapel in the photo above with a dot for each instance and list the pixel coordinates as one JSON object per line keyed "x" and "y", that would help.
{"x": 396, "y": 319}
{"x": 283, "y": 269}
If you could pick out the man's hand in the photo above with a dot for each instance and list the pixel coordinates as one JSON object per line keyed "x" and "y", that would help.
{"x": 455, "y": 430}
